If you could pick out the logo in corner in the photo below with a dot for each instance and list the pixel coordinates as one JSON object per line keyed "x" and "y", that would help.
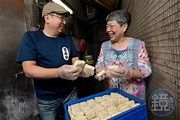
{"x": 161, "y": 102}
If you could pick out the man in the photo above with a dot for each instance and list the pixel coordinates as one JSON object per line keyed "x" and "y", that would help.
{"x": 47, "y": 56}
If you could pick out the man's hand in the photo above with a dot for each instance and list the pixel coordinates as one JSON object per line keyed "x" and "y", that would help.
{"x": 69, "y": 72}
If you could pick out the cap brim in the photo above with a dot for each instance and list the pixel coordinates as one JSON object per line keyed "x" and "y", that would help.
{"x": 62, "y": 12}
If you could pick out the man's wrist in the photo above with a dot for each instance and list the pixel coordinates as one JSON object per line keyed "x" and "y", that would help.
{"x": 60, "y": 72}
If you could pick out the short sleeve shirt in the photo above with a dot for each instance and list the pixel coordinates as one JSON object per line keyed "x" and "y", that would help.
{"x": 48, "y": 53}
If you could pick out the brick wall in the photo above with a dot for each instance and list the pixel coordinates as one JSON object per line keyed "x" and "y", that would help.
{"x": 157, "y": 23}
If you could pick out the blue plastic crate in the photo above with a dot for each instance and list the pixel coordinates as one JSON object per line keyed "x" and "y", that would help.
{"x": 137, "y": 113}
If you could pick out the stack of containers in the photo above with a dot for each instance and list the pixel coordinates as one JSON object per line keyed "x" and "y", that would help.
{"x": 138, "y": 112}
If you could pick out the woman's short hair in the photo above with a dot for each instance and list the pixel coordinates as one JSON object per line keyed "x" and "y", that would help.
{"x": 121, "y": 16}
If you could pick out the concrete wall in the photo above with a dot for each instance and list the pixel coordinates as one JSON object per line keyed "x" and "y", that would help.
{"x": 157, "y": 23}
{"x": 16, "y": 91}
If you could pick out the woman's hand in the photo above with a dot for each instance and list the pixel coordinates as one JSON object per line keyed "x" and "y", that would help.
{"x": 120, "y": 72}
{"x": 101, "y": 73}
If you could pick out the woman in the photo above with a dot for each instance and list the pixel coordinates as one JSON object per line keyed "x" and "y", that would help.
{"x": 128, "y": 53}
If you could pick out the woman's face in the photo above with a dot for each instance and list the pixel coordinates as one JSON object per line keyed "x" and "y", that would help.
{"x": 115, "y": 31}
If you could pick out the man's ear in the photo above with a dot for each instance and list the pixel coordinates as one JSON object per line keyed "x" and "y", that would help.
{"x": 46, "y": 18}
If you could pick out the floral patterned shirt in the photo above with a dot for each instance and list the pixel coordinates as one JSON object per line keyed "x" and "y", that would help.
{"x": 134, "y": 56}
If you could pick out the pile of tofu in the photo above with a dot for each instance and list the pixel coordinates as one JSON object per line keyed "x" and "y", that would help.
{"x": 101, "y": 108}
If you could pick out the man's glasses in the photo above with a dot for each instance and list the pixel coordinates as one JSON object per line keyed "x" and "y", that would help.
{"x": 59, "y": 16}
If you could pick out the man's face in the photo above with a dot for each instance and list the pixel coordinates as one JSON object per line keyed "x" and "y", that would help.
{"x": 57, "y": 22}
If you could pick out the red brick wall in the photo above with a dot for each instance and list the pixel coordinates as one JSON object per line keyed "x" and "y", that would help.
{"x": 157, "y": 23}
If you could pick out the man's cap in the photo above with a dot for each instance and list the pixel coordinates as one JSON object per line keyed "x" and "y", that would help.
{"x": 53, "y": 7}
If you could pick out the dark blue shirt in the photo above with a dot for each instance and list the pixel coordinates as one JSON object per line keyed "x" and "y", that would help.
{"x": 48, "y": 53}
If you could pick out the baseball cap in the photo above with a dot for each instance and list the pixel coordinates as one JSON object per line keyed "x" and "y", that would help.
{"x": 53, "y": 7}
